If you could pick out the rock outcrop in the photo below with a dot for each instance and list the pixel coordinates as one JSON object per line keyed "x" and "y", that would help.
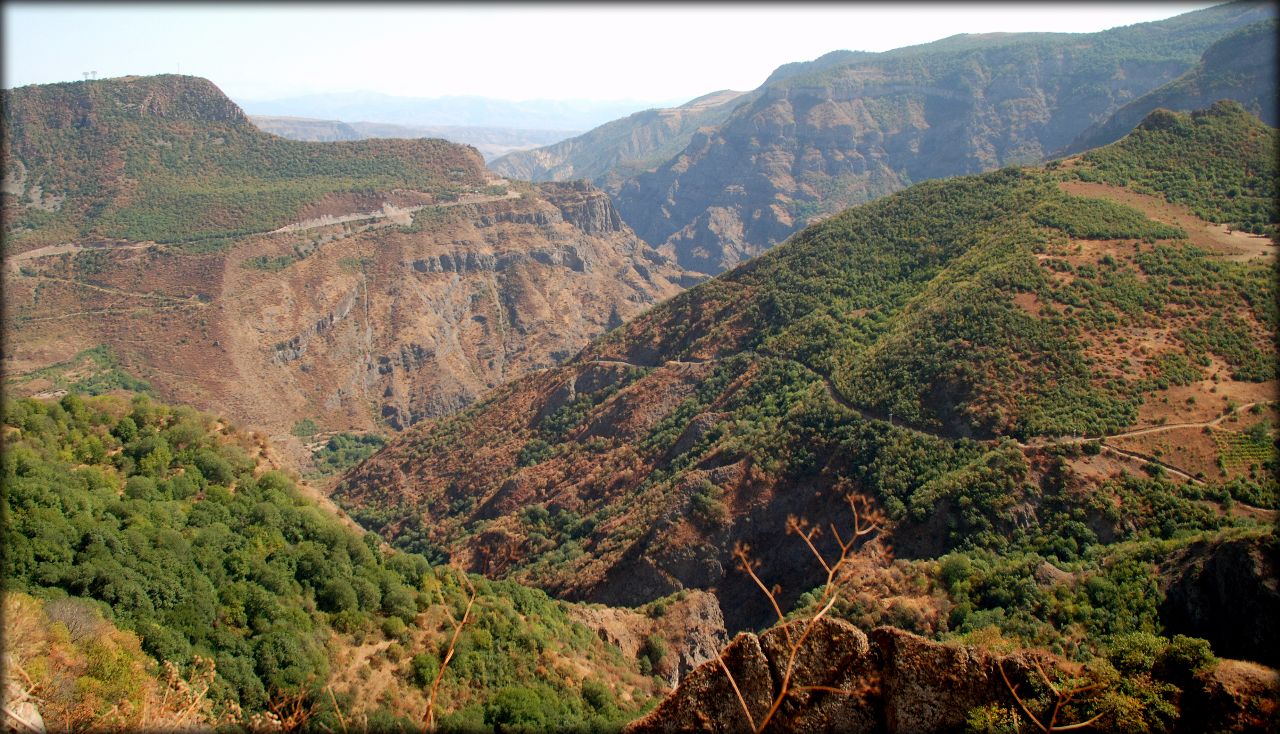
{"x": 842, "y": 680}
{"x": 1219, "y": 590}
{"x": 690, "y": 625}
{"x": 887, "y": 680}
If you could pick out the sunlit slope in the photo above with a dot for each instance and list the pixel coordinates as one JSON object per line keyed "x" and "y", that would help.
{"x": 928, "y": 350}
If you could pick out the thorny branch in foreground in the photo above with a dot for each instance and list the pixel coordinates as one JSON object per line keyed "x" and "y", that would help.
{"x": 865, "y": 522}
{"x": 457, "y": 623}
{"x": 1063, "y": 697}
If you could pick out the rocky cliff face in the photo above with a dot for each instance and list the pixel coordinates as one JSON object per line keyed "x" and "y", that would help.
{"x": 377, "y": 322}
{"x": 1218, "y": 589}
{"x": 690, "y": 626}
{"x": 382, "y": 305}
{"x": 892, "y": 681}
{"x": 854, "y": 127}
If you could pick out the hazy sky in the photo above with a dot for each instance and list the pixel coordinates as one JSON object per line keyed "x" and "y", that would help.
{"x": 655, "y": 53}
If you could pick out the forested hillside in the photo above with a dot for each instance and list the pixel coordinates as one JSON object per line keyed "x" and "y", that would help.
{"x": 165, "y": 527}
{"x": 1241, "y": 66}
{"x": 170, "y": 159}
{"x": 1056, "y": 386}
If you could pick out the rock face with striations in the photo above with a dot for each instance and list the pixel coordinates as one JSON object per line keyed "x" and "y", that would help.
{"x": 885, "y": 681}
{"x": 691, "y": 625}
{"x": 382, "y": 302}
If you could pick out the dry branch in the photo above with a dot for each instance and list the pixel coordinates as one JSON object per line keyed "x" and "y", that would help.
{"x": 430, "y": 718}
{"x": 865, "y": 522}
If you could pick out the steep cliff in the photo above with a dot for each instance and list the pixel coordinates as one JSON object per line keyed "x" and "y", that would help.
{"x": 361, "y": 284}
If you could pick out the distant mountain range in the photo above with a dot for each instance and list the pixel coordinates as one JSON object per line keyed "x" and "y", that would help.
{"x": 490, "y": 141}
{"x": 459, "y": 111}
{"x": 726, "y": 184}
{"x": 623, "y": 147}
{"x": 1241, "y": 66}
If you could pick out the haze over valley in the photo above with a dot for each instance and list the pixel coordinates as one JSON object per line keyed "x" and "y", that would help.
{"x": 924, "y": 381}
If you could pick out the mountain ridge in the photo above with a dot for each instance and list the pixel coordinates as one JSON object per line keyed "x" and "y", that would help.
{"x": 365, "y": 285}
{"x": 850, "y": 126}
{"x": 941, "y": 352}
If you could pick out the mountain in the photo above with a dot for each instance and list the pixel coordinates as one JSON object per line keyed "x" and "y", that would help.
{"x": 1042, "y": 381}
{"x": 456, "y": 111}
{"x": 614, "y": 150}
{"x": 171, "y": 159}
{"x": 153, "y": 232}
{"x": 1241, "y": 66}
{"x": 490, "y": 141}
{"x": 850, "y": 127}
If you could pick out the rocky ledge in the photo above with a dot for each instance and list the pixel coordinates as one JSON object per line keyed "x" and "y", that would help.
{"x": 893, "y": 681}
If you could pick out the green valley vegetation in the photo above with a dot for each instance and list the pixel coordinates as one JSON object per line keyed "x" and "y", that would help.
{"x": 161, "y": 522}
{"x": 967, "y": 355}
{"x": 344, "y": 450}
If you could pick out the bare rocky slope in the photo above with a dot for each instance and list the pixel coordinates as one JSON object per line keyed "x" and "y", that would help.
{"x": 364, "y": 302}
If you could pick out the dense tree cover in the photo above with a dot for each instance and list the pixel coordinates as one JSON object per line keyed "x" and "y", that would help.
{"x": 169, "y": 526}
{"x": 1219, "y": 162}
{"x": 159, "y": 517}
{"x": 344, "y": 450}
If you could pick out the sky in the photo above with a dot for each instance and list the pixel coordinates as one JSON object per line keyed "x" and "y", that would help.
{"x": 652, "y": 53}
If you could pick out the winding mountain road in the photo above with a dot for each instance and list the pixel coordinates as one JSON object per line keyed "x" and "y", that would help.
{"x": 1034, "y": 443}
